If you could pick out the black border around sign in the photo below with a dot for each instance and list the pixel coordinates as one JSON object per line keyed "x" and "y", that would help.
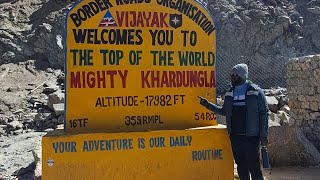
{"x": 65, "y": 54}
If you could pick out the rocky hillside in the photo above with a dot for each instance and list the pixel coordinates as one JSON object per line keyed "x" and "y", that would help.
{"x": 264, "y": 34}
{"x": 32, "y": 29}
{"x": 268, "y": 27}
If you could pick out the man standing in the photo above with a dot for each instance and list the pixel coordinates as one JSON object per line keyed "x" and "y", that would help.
{"x": 246, "y": 111}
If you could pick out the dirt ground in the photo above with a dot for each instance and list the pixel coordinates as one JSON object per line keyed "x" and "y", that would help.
{"x": 292, "y": 173}
{"x": 288, "y": 173}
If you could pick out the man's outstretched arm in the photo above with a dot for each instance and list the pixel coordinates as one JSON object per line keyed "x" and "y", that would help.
{"x": 213, "y": 107}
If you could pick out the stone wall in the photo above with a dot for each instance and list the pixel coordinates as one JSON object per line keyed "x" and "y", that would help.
{"x": 303, "y": 85}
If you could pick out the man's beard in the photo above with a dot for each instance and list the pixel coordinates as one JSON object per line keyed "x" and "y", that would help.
{"x": 237, "y": 82}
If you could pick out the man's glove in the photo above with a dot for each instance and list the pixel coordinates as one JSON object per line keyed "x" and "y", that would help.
{"x": 204, "y": 102}
{"x": 264, "y": 141}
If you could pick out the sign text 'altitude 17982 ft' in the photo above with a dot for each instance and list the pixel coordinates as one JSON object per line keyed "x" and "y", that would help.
{"x": 134, "y": 65}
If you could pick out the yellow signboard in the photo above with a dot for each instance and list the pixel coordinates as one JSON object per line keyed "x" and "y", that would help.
{"x": 134, "y": 65}
{"x": 166, "y": 154}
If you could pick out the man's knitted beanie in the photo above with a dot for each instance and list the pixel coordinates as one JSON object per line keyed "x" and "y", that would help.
{"x": 241, "y": 70}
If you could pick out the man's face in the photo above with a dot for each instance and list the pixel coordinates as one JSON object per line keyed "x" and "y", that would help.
{"x": 236, "y": 80}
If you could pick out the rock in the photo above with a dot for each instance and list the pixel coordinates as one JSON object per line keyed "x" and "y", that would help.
{"x": 288, "y": 146}
{"x": 17, "y": 111}
{"x": 284, "y": 20}
{"x": 50, "y": 89}
{"x": 37, "y": 160}
{"x": 284, "y": 118}
{"x": 37, "y": 154}
{"x": 272, "y": 103}
{"x": 3, "y": 126}
{"x": 3, "y": 119}
{"x": 59, "y": 41}
{"x": 16, "y": 132}
{"x": 60, "y": 78}
{"x": 46, "y": 28}
{"x": 60, "y": 126}
{"x": 55, "y": 98}
{"x": 13, "y": 124}
{"x": 39, "y": 125}
{"x": 273, "y": 123}
{"x": 314, "y": 10}
{"x": 5, "y": 34}
{"x": 2, "y": 132}
{"x": 26, "y": 173}
{"x": 281, "y": 101}
{"x": 285, "y": 108}
{"x": 274, "y": 117}
{"x": 36, "y": 99}
{"x": 19, "y": 126}
{"x": 61, "y": 119}
{"x": 221, "y": 119}
{"x": 7, "y": 57}
{"x": 28, "y": 52}
{"x": 273, "y": 2}
{"x": 48, "y": 124}
{"x": 31, "y": 115}
{"x": 13, "y": 89}
{"x": 43, "y": 116}
{"x": 27, "y": 120}
{"x": 58, "y": 109}
{"x": 314, "y": 106}
{"x": 49, "y": 129}
{"x": 12, "y": 118}
{"x": 50, "y": 82}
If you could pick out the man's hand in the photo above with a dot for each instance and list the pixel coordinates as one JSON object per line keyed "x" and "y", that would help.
{"x": 264, "y": 141}
{"x": 203, "y": 101}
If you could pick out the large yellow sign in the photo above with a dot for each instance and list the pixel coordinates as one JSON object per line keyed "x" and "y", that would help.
{"x": 136, "y": 65}
{"x": 202, "y": 154}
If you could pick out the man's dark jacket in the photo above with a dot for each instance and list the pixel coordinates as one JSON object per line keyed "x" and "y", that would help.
{"x": 256, "y": 111}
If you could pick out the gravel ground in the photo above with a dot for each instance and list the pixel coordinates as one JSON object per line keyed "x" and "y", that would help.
{"x": 16, "y": 152}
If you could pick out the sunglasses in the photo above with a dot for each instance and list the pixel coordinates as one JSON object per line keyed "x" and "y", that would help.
{"x": 233, "y": 75}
